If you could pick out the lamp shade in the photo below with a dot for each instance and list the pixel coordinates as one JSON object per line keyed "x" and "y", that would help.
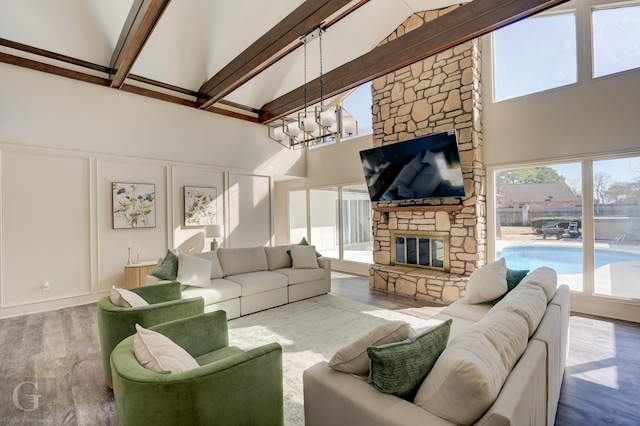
{"x": 213, "y": 231}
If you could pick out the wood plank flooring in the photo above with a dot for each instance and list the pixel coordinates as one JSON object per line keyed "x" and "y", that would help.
{"x": 58, "y": 351}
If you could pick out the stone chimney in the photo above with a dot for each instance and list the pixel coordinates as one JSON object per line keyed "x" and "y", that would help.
{"x": 434, "y": 95}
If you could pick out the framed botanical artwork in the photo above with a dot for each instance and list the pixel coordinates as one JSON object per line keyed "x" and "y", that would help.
{"x": 134, "y": 205}
{"x": 199, "y": 206}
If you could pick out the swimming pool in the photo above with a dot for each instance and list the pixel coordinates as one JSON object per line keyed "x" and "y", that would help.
{"x": 565, "y": 260}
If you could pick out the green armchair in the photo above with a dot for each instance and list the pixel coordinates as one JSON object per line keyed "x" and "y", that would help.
{"x": 230, "y": 387}
{"x": 116, "y": 323}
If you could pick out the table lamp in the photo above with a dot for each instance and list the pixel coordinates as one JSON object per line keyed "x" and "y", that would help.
{"x": 213, "y": 231}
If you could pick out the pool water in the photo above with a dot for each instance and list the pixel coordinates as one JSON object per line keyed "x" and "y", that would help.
{"x": 565, "y": 260}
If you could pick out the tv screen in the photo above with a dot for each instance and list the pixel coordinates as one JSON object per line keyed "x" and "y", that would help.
{"x": 425, "y": 167}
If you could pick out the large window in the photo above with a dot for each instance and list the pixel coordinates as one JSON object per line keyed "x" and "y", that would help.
{"x": 540, "y": 221}
{"x": 616, "y": 39}
{"x": 339, "y": 221}
{"x": 534, "y": 55}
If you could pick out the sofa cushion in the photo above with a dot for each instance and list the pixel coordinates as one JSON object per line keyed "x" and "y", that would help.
{"x": 236, "y": 261}
{"x": 488, "y": 282}
{"x": 304, "y": 257}
{"x": 217, "y": 291}
{"x": 353, "y": 358}
{"x": 467, "y": 377}
{"x": 399, "y": 368}
{"x": 193, "y": 270}
{"x": 545, "y": 278}
{"x": 277, "y": 257}
{"x": 258, "y": 282}
{"x": 126, "y": 298}
{"x": 513, "y": 279}
{"x": 167, "y": 269}
{"x": 461, "y": 308}
{"x": 299, "y": 276}
{"x": 526, "y": 300}
{"x": 216, "y": 269}
{"x": 158, "y": 353}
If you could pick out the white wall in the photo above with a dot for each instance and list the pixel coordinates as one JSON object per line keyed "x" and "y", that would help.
{"x": 63, "y": 143}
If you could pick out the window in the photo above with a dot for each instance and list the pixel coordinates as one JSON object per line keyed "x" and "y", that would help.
{"x": 359, "y": 104}
{"x": 534, "y": 55}
{"x": 339, "y": 221}
{"x": 616, "y": 39}
{"x": 357, "y": 241}
{"x": 539, "y": 220}
{"x": 297, "y": 216}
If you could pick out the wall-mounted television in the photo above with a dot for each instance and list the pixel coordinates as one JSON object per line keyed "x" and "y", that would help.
{"x": 421, "y": 168}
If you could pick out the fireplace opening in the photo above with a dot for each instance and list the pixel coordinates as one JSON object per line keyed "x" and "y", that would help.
{"x": 429, "y": 250}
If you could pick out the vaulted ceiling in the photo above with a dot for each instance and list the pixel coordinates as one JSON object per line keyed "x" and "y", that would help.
{"x": 241, "y": 58}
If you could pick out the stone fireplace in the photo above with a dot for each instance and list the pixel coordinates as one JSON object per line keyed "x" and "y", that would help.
{"x": 434, "y": 95}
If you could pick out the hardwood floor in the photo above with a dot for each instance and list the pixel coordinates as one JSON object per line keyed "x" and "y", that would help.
{"x": 58, "y": 351}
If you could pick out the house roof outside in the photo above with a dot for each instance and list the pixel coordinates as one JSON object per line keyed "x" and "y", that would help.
{"x": 529, "y": 193}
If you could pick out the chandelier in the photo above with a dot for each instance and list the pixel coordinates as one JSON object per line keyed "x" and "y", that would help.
{"x": 322, "y": 123}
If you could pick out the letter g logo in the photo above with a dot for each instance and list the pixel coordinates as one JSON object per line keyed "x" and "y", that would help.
{"x": 33, "y": 398}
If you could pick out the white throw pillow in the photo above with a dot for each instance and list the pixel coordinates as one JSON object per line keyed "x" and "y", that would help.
{"x": 487, "y": 283}
{"x": 126, "y": 298}
{"x": 193, "y": 270}
{"x": 353, "y": 357}
{"x": 304, "y": 257}
{"x": 158, "y": 353}
{"x": 467, "y": 377}
{"x": 216, "y": 269}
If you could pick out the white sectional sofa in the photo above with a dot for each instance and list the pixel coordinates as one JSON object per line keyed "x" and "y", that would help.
{"x": 528, "y": 396}
{"x": 246, "y": 280}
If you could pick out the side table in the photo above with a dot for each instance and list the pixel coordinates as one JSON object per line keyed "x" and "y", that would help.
{"x": 135, "y": 275}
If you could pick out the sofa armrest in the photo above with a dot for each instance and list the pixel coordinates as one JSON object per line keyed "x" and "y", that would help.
{"x": 163, "y": 292}
{"x": 198, "y": 335}
{"x": 340, "y": 399}
{"x": 325, "y": 263}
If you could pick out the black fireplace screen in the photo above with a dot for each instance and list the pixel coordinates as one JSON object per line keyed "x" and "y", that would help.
{"x": 426, "y": 252}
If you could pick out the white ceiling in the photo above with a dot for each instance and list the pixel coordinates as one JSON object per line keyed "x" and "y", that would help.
{"x": 196, "y": 38}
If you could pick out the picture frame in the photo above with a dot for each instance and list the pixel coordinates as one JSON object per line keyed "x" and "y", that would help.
{"x": 199, "y": 205}
{"x": 133, "y": 205}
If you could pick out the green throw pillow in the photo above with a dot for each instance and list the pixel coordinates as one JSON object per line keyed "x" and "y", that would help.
{"x": 513, "y": 279}
{"x": 168, "y": 269}
{"x": 400, "y": 368}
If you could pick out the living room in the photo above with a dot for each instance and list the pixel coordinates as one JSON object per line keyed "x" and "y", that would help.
{"x": 64, "y": 143}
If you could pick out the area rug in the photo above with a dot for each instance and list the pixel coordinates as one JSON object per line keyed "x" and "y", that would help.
{"x": 309, "y": 331}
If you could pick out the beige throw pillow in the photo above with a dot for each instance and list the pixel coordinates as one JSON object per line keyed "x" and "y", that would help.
{"x": 353, "y": 357}
{"x": 193, "y": 270}
{"x": 158, "y": 353}
{"x": 467, "y": 377}
{"x": 304, "y": 257}
{"x": 487, "y": 283}
{"x": 126, "y": 298}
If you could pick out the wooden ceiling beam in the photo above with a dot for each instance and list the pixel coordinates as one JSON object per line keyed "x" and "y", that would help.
{"x": 252, "y": 60}
{"x": 465, "y": 23}
{"x": 142, "y": 19}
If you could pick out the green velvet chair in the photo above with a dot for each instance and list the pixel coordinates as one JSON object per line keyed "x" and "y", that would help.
{"x": 116, "y": 323}
{"x": 231, "y": 386}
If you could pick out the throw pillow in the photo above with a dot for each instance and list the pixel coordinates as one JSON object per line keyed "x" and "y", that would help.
{"x": 304, "y": 257}
{"x": 353, "y": 357}
{"x": 487, "y": 283}
{"x": 216, "y": 269}
{"x": 158, "y": 353}
{"x": 400, "y": 368}
{"x": 513, "y": 279}
{"x": 303, "y": 242}
{"x": 193, "y": 270}
{"x": 168, "y": 268}
{"x": 126, "y": 298}
{"x": 469, "y": 374}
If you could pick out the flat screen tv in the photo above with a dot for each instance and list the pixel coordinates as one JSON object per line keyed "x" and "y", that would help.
{"x": 421, "y": 168}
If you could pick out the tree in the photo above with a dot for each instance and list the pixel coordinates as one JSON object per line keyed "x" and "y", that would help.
{"x": 539, "y": 174}
{"x": 600, "y": 186}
